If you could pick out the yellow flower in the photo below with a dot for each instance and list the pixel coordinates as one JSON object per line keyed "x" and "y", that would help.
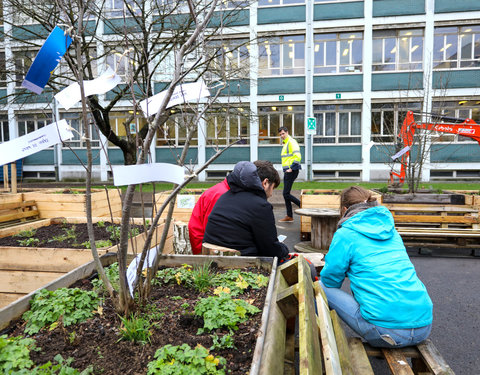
{"x": 217, "y": 291}
{"x": 177, "y": 277}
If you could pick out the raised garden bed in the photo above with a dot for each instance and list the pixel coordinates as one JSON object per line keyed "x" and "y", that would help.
{"x": 71, "y": 202}
{"x": 26, "y": 268}
{"x": 173, "y": 316}
{"x": 184, "y": 204}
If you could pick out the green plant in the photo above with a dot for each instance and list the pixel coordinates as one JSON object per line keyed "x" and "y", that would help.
{"x": 136, "y": 329}
{"x": 61, "y": 368}
{"x": 98, "y": 244}
{"x": 202, "y": 277}
{"x": 72, "y": 337}
{"x": 176, "y": 298}
{"x": 112, "y": 275}
{"x": 101, "y": 224}
{"x": 15, "y": 353}
{"x": 134, "y": 232}
{"x": 223, "y": 311}
{"x": 185, "y": 360}
{"x": 70, "y": 232}
{"x": 224, "y": 342}
{"x": 114, "y": 232}
{"x": 238, "y": 281}
{"x": 71, "y": 305}
{"x": 154, "y": 312}
{"x": 26, "y": 233}
{"x": 29, "y": 242}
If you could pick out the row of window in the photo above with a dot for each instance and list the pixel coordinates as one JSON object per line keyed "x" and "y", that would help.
{"x": 336, "y": 123}
{"x": 392, "y": 50}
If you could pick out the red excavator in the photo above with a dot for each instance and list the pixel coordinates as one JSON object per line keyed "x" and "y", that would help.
{"x": 465, "y": 127}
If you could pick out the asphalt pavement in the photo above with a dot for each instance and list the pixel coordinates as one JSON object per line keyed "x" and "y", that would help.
{"x": 452, "y": 279}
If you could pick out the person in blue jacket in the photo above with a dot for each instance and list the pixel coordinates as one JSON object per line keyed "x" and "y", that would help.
{"x": 390, "y": 306}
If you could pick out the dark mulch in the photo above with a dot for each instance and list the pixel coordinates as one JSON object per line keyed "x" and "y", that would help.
{"x": 96, "y": 341}
{"x": 46, "y": 235}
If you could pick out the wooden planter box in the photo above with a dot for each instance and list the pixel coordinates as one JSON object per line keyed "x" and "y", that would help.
{"x": 53, "y": 203}
{"x": 15, "y": 310}
{"x": 183, "y": 205}
{"x": 472, "y": 197}
{"x": 320, "y": 198}
{"x": 24, "y": 269}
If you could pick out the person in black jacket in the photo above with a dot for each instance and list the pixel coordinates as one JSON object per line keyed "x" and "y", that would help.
{"x": 242, "y": 218}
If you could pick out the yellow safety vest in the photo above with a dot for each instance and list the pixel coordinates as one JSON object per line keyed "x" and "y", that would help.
{"x": 290, "y": 153}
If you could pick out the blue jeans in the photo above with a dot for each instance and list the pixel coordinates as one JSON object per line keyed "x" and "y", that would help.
{"x": 348, "y": 309}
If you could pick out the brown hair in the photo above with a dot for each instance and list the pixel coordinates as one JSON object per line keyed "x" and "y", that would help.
{"x": 266, "y": 170}
{"x": 354, "y": 195}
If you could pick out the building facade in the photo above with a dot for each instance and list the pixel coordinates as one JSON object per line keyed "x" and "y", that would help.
{"x": 354, "y": 66}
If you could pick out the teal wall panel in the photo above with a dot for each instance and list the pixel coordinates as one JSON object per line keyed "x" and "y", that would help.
{"x": 44, "y": 157}
{"x": 281, "y": 85}
{"x": 3, "y": 96}
{"x": 272, "y": 153}
{"x": 230, "y": 18}
{"x": 453, "y": 79}
{"x": 338, "y": 83}
{"x": 397, "y": 81}
{"x": 231, "y": 156}
{"x": 120, "y": 26}
{"x": 26, "y": 32}
{"x": 167, "y": 155}
{"x": 455, "y": 153}
{"x": 128, "y": 94}
{"x": 383, "y": 8}
{"x": 381, "y": 153}
{"x": 115, "y": 155}
{"x": 160, "y": 86}
{"x": 70, "y": 158}
{"x": 337, "y": 154}
{"x": 444, "y": 6}
{"x": 24, "y": 96}
{"x": 234, "y": 87}
{"x": 336, "y": 11}
{"x": 281, "y": 14}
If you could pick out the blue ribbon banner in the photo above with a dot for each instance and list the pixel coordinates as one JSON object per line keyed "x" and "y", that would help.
{"x": 46, "y": 60}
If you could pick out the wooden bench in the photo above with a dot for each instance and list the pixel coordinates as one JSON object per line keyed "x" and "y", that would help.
{"x": 18, "y": 211}
{"x": 211, "y": 249}
{"x": 322, "y": 344}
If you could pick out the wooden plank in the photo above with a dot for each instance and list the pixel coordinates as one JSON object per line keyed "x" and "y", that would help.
{"x": 310, "y": 357}
{"x": 397, "y": 362}
{"x": 342, "y": 345}
{"x": 10, "y": 231}
{"x": 433, "y": 359}
{"x": 434, "y": 219}
{"x": 12, "y": 205}
{"x": 7, "y": 298}
{"x": 24, "y": 281}
{"x": 432, "y": 208}
{"x": 18, "y": 215}
{"x": 360, "y": 362}
{"x": 331, "y": 358}
{"x": 211, "y": 249}
{"x": 287, "y": 301}
{"x": 290, "y": 271}
{"x": 289, "y": 358}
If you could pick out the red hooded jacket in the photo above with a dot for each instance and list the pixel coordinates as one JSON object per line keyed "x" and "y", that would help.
{"x": 198, "y": 220}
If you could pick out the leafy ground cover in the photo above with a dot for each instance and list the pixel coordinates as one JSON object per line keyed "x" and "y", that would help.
{"x": 199, "y": 320}
{"x": 66, "y": 235}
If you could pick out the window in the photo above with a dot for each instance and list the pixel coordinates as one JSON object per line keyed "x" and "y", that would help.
{"x": 117, "y": 8}
{"x": 4, "y": 130}
{"x": 225, "y": 126}
{"x": 397, "y": 50}
{"x": 387, "y": 119}
{"x": 461, "y": 110}
{"x": 335, "y": 1}
{"x": 456, "y": 47}
{"x": 267, "y": 3}
{"x": 29, "y": 123}
{"x": 271, "y": 118}
{"x": 175, "y": 131}
{"x": 75, "y": 121}
{"x": 121, "y": 122}
{"x": 338, "y": 123}
{"x": 338, "y": 53}
{"x": 23, "y": 61}
{"x": 282, "y": 56}
{"x": 230, "y": 58}
{"x": 3, "y": 70}
{"x": 122, "y": 64}
{"x": 233, "y": 4}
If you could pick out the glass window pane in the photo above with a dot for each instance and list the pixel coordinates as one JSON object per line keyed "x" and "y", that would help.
{"x": 356, "y": 126}
{"x": 275, "y": 124}
{"x": 331, "y": 53}
{"x": 376, "y": 122}
{"x": 466, "y": 45}
{"x": 330, "y": 124}
{"x": 299, "y": 126}
{"x": 319, "y": 117}
{"x": 343, "y": 124}
{"x": 417, "y": 49}
{"x": 390, "y": 50}
{"x": 377, "y": 51}
{"x": 438, "y": 47}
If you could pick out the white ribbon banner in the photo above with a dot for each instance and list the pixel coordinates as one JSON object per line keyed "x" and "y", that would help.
{"x": 142, "y": 173}
{"x": 69, "y": 96}
{"x": 183, "y": 93}
{"x": 132, "y": 267}
{"x": 34, "y": 142}
{"x": 401, "y": 152}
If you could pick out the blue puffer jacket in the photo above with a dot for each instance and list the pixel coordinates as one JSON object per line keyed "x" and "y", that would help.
{"x": 368, "y": 249}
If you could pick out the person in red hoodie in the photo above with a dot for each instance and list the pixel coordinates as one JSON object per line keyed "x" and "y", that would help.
{"x": 198, "y": 220}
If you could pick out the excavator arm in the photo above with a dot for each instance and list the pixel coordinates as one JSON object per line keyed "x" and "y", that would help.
{"x": 467, "y": 128}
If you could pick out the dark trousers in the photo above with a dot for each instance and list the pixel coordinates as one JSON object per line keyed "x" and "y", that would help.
{"x": 288, "y": 179}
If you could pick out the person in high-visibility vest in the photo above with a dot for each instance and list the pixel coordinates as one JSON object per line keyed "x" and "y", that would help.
{"x": 291, "y": 159}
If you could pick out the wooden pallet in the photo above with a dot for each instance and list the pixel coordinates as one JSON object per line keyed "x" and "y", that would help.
{"x": 322, "y": 344}
{"x": 15, "y": 212}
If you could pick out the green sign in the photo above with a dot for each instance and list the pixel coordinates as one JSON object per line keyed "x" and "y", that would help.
{"x": 338, "y": 96}
{"x": 281, "y": 98}
{"x": 311, "y": 125}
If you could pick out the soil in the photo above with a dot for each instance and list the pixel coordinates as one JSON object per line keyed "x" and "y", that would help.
{"x": 46, "y": 235}
{"x": 96, "y": 342}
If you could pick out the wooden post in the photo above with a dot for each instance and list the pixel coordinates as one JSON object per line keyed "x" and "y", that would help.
{"x": 5, "y": 177}
{"x": 14, "y": 177}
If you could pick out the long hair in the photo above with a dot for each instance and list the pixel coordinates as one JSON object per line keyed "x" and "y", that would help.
{"x": 354, "y": 195}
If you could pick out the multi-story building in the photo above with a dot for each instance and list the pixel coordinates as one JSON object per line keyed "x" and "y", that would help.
{"x": 356, "y": 66}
